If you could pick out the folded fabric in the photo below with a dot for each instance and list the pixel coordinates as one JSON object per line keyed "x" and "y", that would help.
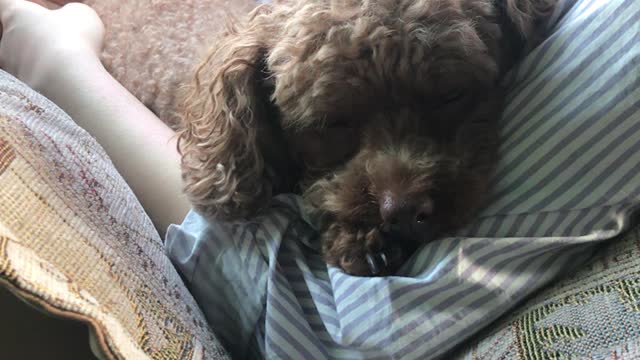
{"x": 569, "y": 176}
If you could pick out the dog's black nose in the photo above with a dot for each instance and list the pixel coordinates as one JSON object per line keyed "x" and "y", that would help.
{"x": 403, "y": 214}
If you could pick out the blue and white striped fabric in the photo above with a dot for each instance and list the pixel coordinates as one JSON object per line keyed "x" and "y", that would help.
{"x": 569, "y": 177}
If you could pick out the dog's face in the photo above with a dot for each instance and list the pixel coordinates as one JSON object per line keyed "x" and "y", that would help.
{"x": 417, "y": 96}
{"x": 388, "y": 107}
{"x": 408, "y": 183}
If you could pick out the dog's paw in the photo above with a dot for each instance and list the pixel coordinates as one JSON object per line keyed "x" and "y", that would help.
{"x": 363, "y": 252}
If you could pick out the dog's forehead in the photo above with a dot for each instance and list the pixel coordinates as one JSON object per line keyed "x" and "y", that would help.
{"x": 379, "y": 43}
{"x": 344, "y": 24}
{"x": 389, "y": 52}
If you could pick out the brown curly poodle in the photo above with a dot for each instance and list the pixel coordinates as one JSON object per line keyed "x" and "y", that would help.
{"x": 381, "y": 112}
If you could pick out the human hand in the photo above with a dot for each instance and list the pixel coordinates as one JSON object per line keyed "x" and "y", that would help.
{"x": 35, "y": 41}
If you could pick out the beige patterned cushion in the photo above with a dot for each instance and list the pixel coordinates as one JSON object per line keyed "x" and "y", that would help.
{"x": 591, "y": 313}
{"x": 75, "y": 241}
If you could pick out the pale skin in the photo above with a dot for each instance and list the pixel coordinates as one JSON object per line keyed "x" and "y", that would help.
{"x": 56, "y": 52}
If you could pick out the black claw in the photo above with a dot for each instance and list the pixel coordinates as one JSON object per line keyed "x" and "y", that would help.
{"x": 377, "y": 262}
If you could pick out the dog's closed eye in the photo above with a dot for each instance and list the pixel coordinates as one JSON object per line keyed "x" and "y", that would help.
{"x": 366, "y": 52}
{"x": 453, "y": 96}
{"x": 339, "y": 123}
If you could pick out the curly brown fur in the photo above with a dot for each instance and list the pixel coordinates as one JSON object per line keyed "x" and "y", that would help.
{"x": 382, "y": 112}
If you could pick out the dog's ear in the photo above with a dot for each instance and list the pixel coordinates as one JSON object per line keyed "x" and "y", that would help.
{"x": 523, "y": 23}
{"x": 230, "y": 133}
{"x": 528, "y": 16}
